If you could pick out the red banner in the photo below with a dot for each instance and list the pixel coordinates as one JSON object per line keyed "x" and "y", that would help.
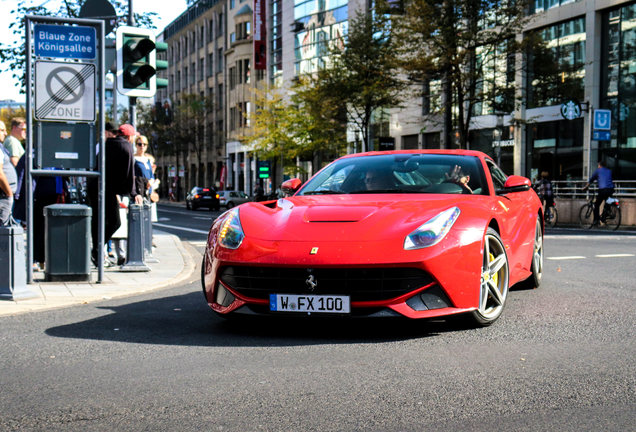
{"x": 260, "y": 35}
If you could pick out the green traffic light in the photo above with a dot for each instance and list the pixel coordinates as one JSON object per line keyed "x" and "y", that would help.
{"x": 137, "y": 68}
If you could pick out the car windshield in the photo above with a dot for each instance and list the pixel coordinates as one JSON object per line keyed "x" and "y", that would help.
{"x": 400, "y": 173}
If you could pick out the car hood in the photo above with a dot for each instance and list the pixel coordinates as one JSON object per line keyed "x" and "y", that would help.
{"x": 350, "y": 218}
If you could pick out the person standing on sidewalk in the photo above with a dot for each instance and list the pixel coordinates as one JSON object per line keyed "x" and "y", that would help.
{"x": 605, "y": 188}
{"x": 8, "y": 184}
{"x": 13, "y": 143}
{"x": 120, "y": 180}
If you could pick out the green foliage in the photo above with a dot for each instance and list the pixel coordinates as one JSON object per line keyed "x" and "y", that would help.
{"x": 469, "y": 48}
{"x": 15, "y": 55}
{"x": 364, "y": 75}
{"x": 303, "y": 126}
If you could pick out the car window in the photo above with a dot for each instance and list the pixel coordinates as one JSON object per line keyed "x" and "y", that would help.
{"x": 400, "y": 173}
{"x": 498, "y": 176}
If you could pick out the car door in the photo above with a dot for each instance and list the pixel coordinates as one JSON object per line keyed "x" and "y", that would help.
{"x": 512, "y": 210}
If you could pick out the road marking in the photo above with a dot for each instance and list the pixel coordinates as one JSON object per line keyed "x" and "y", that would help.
{"x": 614, "y": 255}
{"x": 164, "y": 219}
{"x": 566, "y": 258}
{"x": 184, "y": 211}
{"x": 203, "y": 218}
{"x": 179, "y": 228}
{"x": 199, "y": 243}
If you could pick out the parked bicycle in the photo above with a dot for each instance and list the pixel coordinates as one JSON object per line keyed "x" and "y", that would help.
{"x": 551, "y": 215}
{"x": 610, "y": 215}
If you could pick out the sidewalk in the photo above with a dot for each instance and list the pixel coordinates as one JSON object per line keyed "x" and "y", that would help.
{"x": 175, "y": 265}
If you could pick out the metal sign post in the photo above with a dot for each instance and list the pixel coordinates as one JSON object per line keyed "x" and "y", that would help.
{"x": 65, "y": 91}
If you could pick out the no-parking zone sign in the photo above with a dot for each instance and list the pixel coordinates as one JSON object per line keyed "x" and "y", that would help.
{"x": 64, "y": 91}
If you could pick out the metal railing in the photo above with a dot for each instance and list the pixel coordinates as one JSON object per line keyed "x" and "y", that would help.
{"x": 574, "y": 188}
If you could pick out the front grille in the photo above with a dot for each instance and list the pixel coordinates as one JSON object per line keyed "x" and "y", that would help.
{"x": 362, "y": 284}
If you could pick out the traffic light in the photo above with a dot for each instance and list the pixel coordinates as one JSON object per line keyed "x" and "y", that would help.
{"x": 161, "y": 64}
{"x": 136, "y": 62}
{"x": 264, "y": 169}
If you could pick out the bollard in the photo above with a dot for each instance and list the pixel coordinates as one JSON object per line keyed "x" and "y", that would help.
{"x": 135, "y": 244}
{"x": 13, "y": 265}
{"x": 148, "y": 233}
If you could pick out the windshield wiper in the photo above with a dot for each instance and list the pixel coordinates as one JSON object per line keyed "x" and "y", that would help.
{"x": 323, "y": 192}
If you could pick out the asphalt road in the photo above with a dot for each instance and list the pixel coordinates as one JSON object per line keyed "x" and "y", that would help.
{"x": 560, "y": 358}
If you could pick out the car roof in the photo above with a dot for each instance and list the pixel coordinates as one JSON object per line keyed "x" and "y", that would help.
{"x": 455, "y": 152}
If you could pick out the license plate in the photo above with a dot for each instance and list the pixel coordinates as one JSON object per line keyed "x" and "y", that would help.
{"x": 309, "y": 303}
{"x": 207, "y": 197}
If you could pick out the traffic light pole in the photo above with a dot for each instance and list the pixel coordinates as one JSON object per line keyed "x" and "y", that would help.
{"x": 132, "y": 111}
{"x": 132, "y": 101}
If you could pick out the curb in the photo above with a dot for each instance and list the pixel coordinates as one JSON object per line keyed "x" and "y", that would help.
{"x": 97, "y": 292}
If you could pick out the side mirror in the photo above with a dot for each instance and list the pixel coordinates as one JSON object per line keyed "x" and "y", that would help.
{"x": 289, "y": 187}
{"x": 516, "y": 183}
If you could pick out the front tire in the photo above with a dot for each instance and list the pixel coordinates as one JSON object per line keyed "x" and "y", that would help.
{"x": 230, "y": 205}
{"x": 586, "y": 215}
{"x": 493, "y": 289}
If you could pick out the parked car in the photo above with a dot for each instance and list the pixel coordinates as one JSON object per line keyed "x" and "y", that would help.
{"x": 230, "y": 199}
{"x": 202, "y": 197}
{"x": 417, "y": 234}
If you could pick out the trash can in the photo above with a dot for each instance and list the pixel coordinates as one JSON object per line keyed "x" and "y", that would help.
{"x": 67, "y": 242}
{"x": 13, "y": 264}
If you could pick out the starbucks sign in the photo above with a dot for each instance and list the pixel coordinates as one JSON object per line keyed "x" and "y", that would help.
{"x": 571, "y": 110}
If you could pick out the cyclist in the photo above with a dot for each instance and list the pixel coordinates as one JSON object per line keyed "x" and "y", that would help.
{"x": 605, "y": 188}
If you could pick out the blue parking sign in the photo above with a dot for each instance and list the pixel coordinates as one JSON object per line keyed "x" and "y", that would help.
{"x": 602, "y": 119}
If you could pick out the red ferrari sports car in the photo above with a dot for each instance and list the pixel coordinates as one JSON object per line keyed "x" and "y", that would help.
{"x": 418, "y": 234}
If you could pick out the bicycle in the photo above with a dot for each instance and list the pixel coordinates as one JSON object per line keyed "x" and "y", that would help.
{"x": 610, "y": 216}
{"x": 551, "y": 216}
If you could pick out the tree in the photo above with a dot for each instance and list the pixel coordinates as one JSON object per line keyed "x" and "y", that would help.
{"x": 469, "y": 50}
{"x": 363, "y": 76}
{"x": 15, "y": 55}
{"x": 304, "y": 126}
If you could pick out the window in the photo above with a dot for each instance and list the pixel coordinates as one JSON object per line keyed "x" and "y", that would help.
{"x": 556, "y": 71}
{"x": 219, "y": 60}
{"x": 210, "y": 64}
{"x": 220, "y": 96}
{"x": 211, "y": 30}
{"x": 201, "y": 69}
{"x": 232, "y": 76}
{"x": 498, "y": 177}
{"x": 243, "y": 30}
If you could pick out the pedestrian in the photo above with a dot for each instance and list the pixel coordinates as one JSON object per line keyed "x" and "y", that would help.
{"x": 13, "y": 143}
{"x": 3, "y": 133}
{"x": 143, "y": 167}
{"x": 120, "y": 180}
{"x": 605, "y": 188}
{"x": 8, "y": 185}
{"x": 543, "y": 187}
{"x": 259, "y": 193}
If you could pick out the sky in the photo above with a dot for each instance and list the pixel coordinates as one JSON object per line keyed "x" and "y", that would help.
{"x": 167, "y": 10}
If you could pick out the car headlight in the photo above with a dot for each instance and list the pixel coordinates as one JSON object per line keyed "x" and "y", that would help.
{"x": 231, "y": 234}
{"x": 433, "y": 231}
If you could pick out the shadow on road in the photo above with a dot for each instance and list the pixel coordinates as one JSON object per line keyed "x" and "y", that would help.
{"x": 187, "y": 320}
